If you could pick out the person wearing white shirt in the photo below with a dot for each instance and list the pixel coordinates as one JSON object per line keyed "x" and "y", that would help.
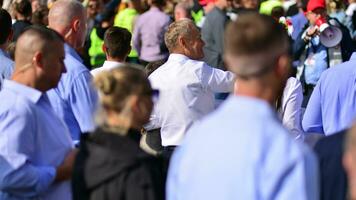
{"x": 186, "y": 84}
{"x": 290, "y": 111}
{"x": 116, "y": 47}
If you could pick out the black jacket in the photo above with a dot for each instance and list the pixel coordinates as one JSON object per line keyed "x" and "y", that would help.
{"x": 110, "y": 166}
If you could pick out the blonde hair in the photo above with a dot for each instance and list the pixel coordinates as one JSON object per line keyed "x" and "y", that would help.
{"x": 116, "y": 85}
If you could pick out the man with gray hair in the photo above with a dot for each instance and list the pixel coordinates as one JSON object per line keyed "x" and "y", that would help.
{"x": 74, "y": 100}
{"x": 187, "y": 84}
{"x": 242, "y": 151}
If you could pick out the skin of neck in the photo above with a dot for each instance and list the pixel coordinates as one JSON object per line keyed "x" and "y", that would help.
{"x": 114, "y": 59}
{"x": 256, "y": 89}
{"x": 29, "y": 77}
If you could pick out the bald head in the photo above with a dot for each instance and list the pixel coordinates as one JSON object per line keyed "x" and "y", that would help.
{"x": 63, "y": 12}
{"x": 34, "y": 39}
{"x": 68, "y": 18}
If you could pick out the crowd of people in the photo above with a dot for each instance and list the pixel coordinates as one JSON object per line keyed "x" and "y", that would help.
{"x": 177, "y": 99}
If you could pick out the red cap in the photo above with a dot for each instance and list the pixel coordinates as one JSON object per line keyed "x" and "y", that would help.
{"x": 205, "y": 2}
{"x": 314, "y": 4}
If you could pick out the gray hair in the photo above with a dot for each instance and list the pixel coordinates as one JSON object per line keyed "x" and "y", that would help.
{"x": 176, "y": 29}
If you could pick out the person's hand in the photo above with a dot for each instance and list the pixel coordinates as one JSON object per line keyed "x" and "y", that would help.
{"x": 64, "y": 171}
{"x": 313, "y": 31}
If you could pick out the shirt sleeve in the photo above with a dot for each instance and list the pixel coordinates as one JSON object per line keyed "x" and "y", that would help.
{"x": 217, "y": 80}
{"x": 312, "y": 119}
{"x": 18, "y": 176}
{"x": 83, "y": 101}
{"x": 291, "y": 117}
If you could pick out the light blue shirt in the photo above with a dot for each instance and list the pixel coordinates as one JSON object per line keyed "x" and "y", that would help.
{"x": 332, "y": 105}
{"x": 6, "y": 67}
{"x": 241, "y": 151}
{"x": 316, "y": 61}
{"x": 75, "y": 99}
{"x": 33, "y": 142}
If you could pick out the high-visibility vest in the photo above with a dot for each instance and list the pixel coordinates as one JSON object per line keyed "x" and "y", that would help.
{"x": 125, "y": 19}
{"x": 96, "y": 53}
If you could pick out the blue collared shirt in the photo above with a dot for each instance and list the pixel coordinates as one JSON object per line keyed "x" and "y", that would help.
{"x": 332, "y": 105}
{"x": 33, "y": 142}
{"x": 75, "y": 99}
{"x": 6, "y": 66}
{"x": 241, "y": 151}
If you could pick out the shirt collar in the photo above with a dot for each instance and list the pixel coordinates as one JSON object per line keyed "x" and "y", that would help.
{"x": 3, "y": 53}
{"x": 69, "y": 50}
{"x": 111, "y": 64}
{"x": 353, "y": 56}
{"x": 30, "y": 93}
{"x": 178, "y": 57}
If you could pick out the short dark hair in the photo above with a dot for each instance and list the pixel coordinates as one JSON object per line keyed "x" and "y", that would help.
{"x": 23, "y": 7}
{"x": 5, "y": 25}
{"x": 117, "y": 41}
{"x": 46, "y": 34}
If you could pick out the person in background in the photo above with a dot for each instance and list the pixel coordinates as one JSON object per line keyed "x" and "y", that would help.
{"x": 213, "y": 34}
{"x": 36, "y": 151}
{"x": 126, "y": 19}
{"x": 317, "y": 56}
{"x": 75, "y": 99}
{"x": 332, "y": 107}
{"x": 148, "y": 34}
{"x": 22, "y": 15}
{"x": 233, "y": 152}
{"x": 40, "y": 16}
{"x": 112, "y": 151}
{"x": 187, "y": 85}
{"x": 116, "y": 47}
{"x": 96, "y": 53}
{"x": 182, "y": 11}
{"x": 7, "y": 65}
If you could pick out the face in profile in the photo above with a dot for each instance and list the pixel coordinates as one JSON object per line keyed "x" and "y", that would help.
{"x": 195, "y": 44}
{"x": 53, "y": 62}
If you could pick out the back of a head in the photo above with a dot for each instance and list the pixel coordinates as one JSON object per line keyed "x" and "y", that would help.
{"x": 117, "y": 41}
{"x": 158, "y": 3}
{"x": 5, "y": 25}
{"x": 253, "y": 43}
{"x": 63, "y": 12}
{"x": 23, "y": 7}
{"x": 175, "y": 30}
{"x": 116, "y": 85}
{"x": 34, "y": 38}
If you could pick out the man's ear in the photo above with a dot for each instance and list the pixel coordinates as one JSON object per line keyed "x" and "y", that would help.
{"x": 11, "y": 35}
{"x": 76, "y": 25}
{"x": 37, "y": 59}
{"x": 103, "y": 47}
{"x": 283, "y": 66}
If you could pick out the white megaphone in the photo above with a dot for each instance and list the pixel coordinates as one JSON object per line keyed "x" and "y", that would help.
{"x": 330, "y": 36}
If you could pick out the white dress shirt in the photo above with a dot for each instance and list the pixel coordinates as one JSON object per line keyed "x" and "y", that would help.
{"x": 291, "y": 110}
{"x": 108, "y": 65}
{"x": 187, "y": 89}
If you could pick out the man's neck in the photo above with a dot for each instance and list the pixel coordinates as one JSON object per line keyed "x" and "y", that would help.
{"x": 253, "y": 89}
{"x": 119, "y": 60}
